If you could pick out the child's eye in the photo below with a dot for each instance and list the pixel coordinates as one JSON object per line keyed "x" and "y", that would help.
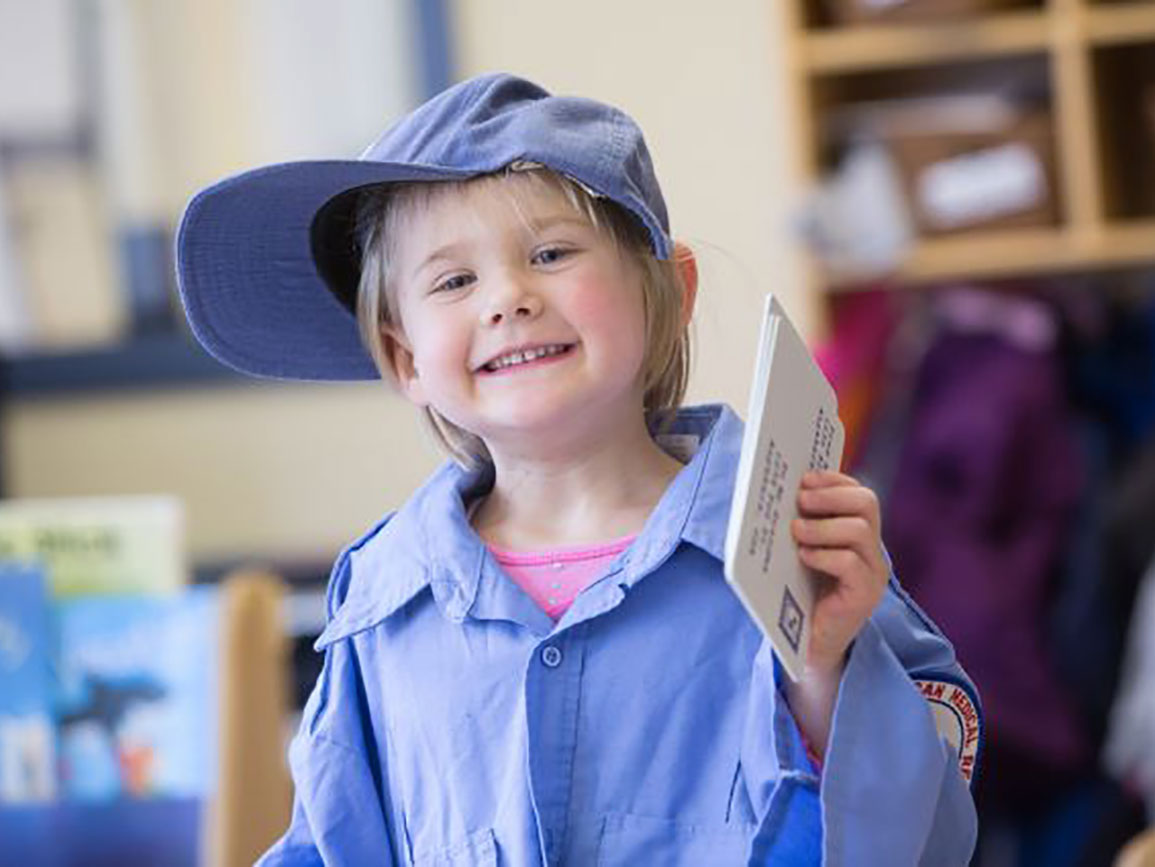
{"x": 550, "y": 255}
{"x": 450, "y": 284}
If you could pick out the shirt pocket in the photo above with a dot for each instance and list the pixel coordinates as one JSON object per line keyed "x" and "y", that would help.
{"x": 627, "y": 841}
{"x": 477, "y": 850}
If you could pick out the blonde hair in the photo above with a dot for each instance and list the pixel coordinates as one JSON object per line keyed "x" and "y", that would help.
{"x": 382, "y": 214}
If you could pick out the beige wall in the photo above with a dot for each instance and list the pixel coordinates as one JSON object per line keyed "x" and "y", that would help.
{"x": 273, "y": 470}
{"x": 296, "y": 470}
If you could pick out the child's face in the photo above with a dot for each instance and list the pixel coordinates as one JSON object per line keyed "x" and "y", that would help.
{"x": 475, "y": 283}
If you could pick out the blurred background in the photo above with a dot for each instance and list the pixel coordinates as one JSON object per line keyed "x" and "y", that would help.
{"x": 954, "y": 199}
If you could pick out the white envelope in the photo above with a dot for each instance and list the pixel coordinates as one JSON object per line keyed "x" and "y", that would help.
{"x": 792, "y": 426}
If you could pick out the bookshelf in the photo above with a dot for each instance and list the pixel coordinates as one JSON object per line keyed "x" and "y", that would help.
{"x": 162, "y": 360}
{"x": 1094, "y": 64}
{"x": 268, "y": 620}
{"x": 169, "y": 357}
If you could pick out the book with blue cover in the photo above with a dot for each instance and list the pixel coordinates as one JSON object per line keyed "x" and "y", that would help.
{"x": 27, "y": 736}
{"x": 137, "y": 710}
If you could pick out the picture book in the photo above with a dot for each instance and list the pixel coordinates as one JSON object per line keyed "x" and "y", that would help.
{"x": 27, "y": 735}
{"x": 97, "y": 545}
{"x": 137, "y": 708}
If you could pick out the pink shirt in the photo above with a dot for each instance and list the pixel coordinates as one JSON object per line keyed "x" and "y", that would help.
{"x": 555, "y": 577}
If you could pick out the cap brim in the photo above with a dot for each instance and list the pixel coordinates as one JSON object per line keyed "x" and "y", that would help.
{"x": 247, "y": 275}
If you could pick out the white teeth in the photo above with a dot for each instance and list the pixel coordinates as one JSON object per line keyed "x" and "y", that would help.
{"x": 522, "y": 357}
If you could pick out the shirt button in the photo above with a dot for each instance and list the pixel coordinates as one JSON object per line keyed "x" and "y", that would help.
{"x": 551, "y": 656}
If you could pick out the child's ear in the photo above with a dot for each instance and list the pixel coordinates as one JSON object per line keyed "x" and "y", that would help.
{"x": 687, "y": 266}
{"x": 399, "y": 355}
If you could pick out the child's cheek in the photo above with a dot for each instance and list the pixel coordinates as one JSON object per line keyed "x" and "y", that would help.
{"x": 589, "y": 304}
{"x": 435, "y": 346}
{"x": 603, "y": 298}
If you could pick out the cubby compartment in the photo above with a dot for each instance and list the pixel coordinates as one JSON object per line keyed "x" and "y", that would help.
{"x": 1124, "y": 82}
{"x": 1080, "y": 75}
{"x": 973, "y": 143}
{"x": 842, "y": 13}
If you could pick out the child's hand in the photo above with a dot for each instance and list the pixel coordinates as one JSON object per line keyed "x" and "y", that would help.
{"x": 839, "y": 539}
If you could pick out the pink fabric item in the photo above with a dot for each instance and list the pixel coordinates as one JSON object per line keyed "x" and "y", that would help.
{"x": 811, "y": 753}
{"x": 555, "y": 577}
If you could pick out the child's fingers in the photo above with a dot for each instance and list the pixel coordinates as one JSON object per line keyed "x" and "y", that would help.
{"x": 845, "y": 565}
{"x": 852, "y": 533}
{"x": 826, "y": 479}
{"x": 846, "y": 570}
{"x": 840, "y": 500}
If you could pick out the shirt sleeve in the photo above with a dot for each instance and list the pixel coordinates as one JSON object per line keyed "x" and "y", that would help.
{"x": 341, "y": 813}
{"x": 892, "y": 761}
{"x": 893, "y": 786}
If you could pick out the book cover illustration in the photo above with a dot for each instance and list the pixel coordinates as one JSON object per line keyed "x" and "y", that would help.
{"x": 27, "y": 732}
{"x": 137, "y": 710}
{"x": 98, "y": 545}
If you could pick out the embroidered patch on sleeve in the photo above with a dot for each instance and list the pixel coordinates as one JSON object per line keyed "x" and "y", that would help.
{"x": 957, "y": 719}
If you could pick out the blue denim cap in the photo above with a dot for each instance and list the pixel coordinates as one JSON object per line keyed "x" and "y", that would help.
{"x": 267, "y": 261}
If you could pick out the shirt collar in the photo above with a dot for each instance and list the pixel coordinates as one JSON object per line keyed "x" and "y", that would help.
{"x": 702, "y": 492}
{"x": 429, "y": 542}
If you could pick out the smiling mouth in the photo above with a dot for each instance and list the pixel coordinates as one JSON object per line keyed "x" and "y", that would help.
{"x": 525, "y": 356}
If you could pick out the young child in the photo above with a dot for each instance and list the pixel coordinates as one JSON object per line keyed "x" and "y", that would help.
{"x": 537, "y": 659}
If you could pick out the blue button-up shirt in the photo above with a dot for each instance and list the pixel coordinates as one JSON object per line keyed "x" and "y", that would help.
{"x": 455, "y": 723}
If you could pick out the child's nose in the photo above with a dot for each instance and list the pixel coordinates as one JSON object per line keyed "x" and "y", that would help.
{"x": 513, "y": 303}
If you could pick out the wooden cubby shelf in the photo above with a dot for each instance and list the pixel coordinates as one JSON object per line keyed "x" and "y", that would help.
{"x": 1119, "y": 23}
{"x": 1022, "y": 252}
{"x": 1090, "y": 64}
{"x": 834, "y": 50}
